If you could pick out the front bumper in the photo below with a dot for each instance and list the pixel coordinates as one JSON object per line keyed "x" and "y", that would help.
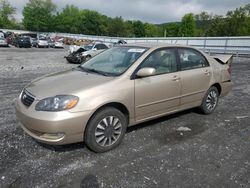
{"x": 56, "y": 128}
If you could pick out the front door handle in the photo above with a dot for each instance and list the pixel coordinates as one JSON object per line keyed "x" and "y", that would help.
{"x": 207, "y": 72}
{"x": 176, "y": 78}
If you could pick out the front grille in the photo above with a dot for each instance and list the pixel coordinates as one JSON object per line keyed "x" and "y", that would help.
{"x": 27, "y": 98}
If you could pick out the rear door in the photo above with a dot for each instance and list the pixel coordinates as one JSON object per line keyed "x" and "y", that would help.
{"x": 158, "y": 94}
{"x": 195, "y": 74}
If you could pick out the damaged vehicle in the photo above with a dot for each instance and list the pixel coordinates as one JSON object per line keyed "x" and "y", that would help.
{"x": 120, "y": 87}
{"x": 85, "y": 52}
{"x": 76, "y": 56}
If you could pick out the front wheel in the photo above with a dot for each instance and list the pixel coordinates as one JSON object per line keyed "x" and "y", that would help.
{"x": 88, "y": 57}
{"x": 210, "y": 101}
{"x": 105, "y": 130}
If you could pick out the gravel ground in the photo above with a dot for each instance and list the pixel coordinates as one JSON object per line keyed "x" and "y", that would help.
{"x": 182, "y": 150}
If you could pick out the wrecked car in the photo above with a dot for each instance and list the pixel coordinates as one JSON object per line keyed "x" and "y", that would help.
{"x": 85, "y": 52}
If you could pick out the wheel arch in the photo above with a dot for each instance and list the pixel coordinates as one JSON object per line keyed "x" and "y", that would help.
{"x": 117, "y": 105}
{"x": 218, "y": 86}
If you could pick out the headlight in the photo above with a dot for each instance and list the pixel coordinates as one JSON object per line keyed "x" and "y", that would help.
{"x": 57, "y": 103}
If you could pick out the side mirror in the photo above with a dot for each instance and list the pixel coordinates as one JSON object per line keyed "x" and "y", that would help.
{"x": 94, "y": 49}
{"x": 144, "y": 72}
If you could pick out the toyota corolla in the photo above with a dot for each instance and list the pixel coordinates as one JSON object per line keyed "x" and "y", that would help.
{"x": 123, "y": 86}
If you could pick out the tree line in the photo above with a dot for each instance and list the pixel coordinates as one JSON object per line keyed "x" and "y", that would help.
{"x": 43, "y": 16}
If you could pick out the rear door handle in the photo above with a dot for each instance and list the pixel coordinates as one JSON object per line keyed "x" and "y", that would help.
{"x": 176, "y": 78}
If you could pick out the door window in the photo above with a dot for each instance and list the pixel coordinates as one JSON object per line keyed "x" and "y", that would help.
{"x": 101, "y": 46}
{"x": 191, "y": 59}
{"x": 164, "y": 61}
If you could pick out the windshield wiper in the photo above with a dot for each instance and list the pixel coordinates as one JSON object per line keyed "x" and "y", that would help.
{"x": 79, "y": 68}
{"x": 98, "y": 72}
{"x": 93, "y": 71}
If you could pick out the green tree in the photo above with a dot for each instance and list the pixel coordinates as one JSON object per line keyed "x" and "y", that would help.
{"x": 92, "y": 23}
{"x": 117, "y": 27}
{"x": 6, "y": 14}
{"x": 188, "y": 26}
{"x": 38, "y": 15}
{"x": 129, "y": 28}
{"x": 203, "y": 21}
{"x": 217, "y": 26}
{"x": 171, "y": 29}
{"x": 139, "y": 29}
{"x": 152, "y": 30}
{"x": 236, "y": 22}
{"x": 69, "y": 20}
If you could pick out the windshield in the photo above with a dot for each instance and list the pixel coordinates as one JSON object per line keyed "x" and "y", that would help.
{"x": 24, "y": 38}
{"x": 88, "y": 47}
{"x": 114, "y": 61}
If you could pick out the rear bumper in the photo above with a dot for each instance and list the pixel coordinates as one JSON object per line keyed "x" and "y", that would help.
{"x": 226, "y": 87}
{"x": 55, "y": 128}
{"x": 43, "y": 45}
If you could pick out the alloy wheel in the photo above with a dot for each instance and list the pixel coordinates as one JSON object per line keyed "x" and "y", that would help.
{"x": 211, "y": 101}
{"x": 108, "y": 131}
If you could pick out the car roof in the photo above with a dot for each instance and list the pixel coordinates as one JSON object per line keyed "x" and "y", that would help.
{"x": 153, "y": 45}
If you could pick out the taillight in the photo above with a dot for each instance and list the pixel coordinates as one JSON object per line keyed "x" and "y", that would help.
{"x": 229, "y": 69}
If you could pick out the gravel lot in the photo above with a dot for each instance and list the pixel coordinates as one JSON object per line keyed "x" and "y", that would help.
{"x": 215, "y": 153}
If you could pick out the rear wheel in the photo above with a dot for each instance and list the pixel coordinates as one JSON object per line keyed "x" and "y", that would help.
{"x": 105, "y": 130}
{"x": 210, "y": 101}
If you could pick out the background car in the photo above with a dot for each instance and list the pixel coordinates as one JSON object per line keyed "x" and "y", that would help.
{"x": 85, "y": 52}
{"x": 3, "y": 42}
{"x": 23, "y": 42}
{"x": 2, "y": 34}
{"x": 76, "y": 56}
{"x": 93, "y": 49}
{"x": 58, "y": 44}
{"x": 41, "y": 43}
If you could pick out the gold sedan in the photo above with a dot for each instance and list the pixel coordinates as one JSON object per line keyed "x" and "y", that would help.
{"x": 122, "y": 86}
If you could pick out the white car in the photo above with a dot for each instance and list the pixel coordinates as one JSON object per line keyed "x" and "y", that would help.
{"x": 93, "y": 49}
{"x": 58, "y": 44}
{"x": 3, "y": 42}
{"x": 42, "y": 42}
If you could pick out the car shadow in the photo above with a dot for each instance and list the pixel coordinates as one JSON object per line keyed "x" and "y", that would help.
{"x": 159, "y": 120}
{"x": 62, "y": 148}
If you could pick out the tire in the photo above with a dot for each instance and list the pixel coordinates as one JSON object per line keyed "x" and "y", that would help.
{"x": 210, "y": 101}
{"x": 105, "y": 130}
{"x": 87, "y": 57}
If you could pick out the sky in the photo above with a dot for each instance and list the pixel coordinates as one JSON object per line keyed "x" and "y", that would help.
{"x": 152, "y": 11}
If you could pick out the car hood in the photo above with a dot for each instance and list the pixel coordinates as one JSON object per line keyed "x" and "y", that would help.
{"x": 67, "y": 82}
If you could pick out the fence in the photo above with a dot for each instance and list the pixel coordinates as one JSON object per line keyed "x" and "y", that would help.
{"x": 225, "y": 45}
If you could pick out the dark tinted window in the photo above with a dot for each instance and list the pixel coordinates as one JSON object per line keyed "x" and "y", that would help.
{"x": 164, "y": 61}
{"x": 100, "y": 46}
{"x": 191, "y": 59}
{"x": 24, "y": 39}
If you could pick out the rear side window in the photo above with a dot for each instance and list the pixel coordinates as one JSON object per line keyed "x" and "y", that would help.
{"x": 101, "y": 46}
{"x": 191, "y": 59}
